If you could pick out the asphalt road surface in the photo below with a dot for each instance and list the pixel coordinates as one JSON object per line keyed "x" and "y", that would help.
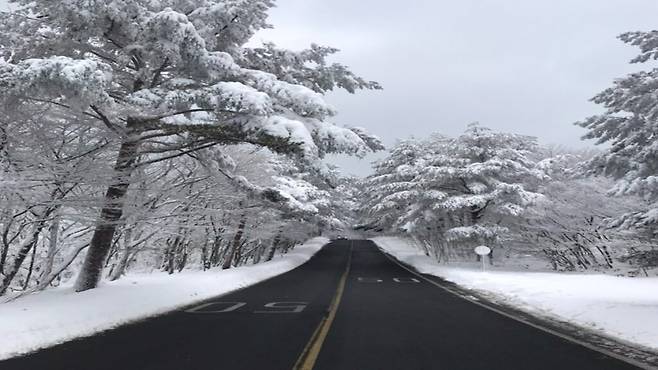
{"x": 350, "y": 307}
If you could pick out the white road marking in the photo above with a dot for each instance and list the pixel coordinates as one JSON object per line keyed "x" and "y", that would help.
{"x": 284, "y": 307}
{"x": 201, "y": 309}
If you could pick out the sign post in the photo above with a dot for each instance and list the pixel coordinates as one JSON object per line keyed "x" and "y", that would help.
{"x": 482, "y": 251}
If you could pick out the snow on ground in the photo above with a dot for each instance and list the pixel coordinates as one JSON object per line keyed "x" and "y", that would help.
{"x": 57, "y": 315}
{"x": 623, "y": 307}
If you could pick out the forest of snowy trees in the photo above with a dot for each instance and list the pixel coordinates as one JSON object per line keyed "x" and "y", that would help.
{"x": 148, "y": 135}
{"x": 146, "y": 131}
{"x": 507, "y": 192}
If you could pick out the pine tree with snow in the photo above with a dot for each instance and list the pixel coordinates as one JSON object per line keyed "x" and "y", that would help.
{"x": 630, "y": 125}
{"x": 475, "y": 180}
{"x": 166, "y": 78}
{"x": 388, "y": 192}
{"x": 455, "y": 190}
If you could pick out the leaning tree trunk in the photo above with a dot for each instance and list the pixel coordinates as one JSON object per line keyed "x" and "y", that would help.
{"x": 111, "y": 213}
{"x": 215, "y": 254}
{"x": 30, "y": 269}
{"x": 124, "y": 256}
{"x": 275, "y": 245}
{"x": 258, "y": 253}
{"x": 23, "y": 251}
{"x": 239, "y": 253}
{"x": 236, "y": 243}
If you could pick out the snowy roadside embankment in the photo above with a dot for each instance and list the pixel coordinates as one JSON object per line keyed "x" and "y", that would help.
{"x": 622, "y": 307}
{"x": 57, "y": 315}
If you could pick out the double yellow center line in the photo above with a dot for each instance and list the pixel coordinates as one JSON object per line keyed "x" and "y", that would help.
{"x": 309, "y": 355}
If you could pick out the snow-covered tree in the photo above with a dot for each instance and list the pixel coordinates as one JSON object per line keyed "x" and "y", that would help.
{"x": 630, "y": 126}
{"x": 570, "y": 227}
{"x": 386, "y": 194}
{"x": 454, "y": 190}
{"x": 167, "y": 78}
{"x": 562, "y": 163}
{"x": 49, "y": 172}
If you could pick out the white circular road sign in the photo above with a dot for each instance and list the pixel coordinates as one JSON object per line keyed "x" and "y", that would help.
{"x": 482, "y": 250}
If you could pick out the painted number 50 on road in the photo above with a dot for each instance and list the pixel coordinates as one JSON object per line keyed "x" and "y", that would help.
{"x": 268, "y": 308}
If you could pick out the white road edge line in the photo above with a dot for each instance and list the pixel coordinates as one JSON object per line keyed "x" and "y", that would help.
{"x": 521, "y": 320}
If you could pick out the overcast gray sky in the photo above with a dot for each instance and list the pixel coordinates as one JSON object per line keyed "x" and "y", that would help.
{"x": 526, "y": 66}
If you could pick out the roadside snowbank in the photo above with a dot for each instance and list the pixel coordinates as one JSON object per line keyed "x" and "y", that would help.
{"x": 623, "y": 307}
{"x": 57, "y": 315}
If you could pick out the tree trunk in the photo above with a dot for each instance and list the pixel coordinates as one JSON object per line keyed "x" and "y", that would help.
{"x": 4, "y": 251}
{"x": 275, "y": 245}
{"x": 101, "y": 241}
{"x": 236, "y": 243}
{"x": 30, "y": 269}
{"x": 170, "y": 255}
{"x": 181, "y": 255}
{"x": 5, "y": 240}
{"x": 124, "y": 254}
{"x": 258, "y": 253}
{"x": 52, "y": 250}
{"x": 205, "y": 264}
{"x": 120, "y": 268}
{"x": 215, "y": 255}
{"x": 23, "y": 251}
{"x": 237, "y": 256}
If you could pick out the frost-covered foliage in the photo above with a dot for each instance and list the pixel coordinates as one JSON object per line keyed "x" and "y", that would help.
{"x": 532, "y": 204}
{"x": 570, "y": 228}
{"x": 140, "y": 106}
{"x": 561, "y": 163}
{"x": 45, "y": 190}
{"x": 453, "y": 189}
{"x": 211, "y": 220}
{"x": 179, "y": 214}
{"x": 307, "y": 67}
{"x": 157, "y": 62}
{"x": 386, "y": 194}
{"x": 630, "y": 125}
